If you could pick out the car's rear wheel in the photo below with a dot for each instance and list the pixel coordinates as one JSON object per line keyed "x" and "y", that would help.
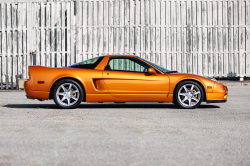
{"x": 68, "y": 93}
{"x": 188, "y": 94}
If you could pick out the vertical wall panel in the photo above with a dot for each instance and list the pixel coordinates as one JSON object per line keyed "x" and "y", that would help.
{"x": 42, "y": 34}
{"x": 58, "y": 35}
{"x": 204, "y": 38}
{"x": 247, "y": 38}
{"x": 241, "y": 38}
{"x": 172, "y": 34}
{"x": 152, "y": 30}
{"x": 137, "y": 28}
{"x": 19, "y": 38}
{"x": 52, "y": 40}
{"x": 100, "y": 28}
{"x": 146, "y": 27}
{"x": 131, "y": 27}
{"x": 77, "y": 23}
{"x": 214, "y": 56}
{"x": 230, "y": 39}
{"x": 194, "y": 42}
{"x": 68, "y": 33}
{"x": 209, "y": 38}
{"x": 236, "y": 38}
{"x": 13, "y": 51}
{"x": 37, "y": 25}
{"x": 157, "y": 33}
{"x": 219, "y": 41}
{"x": 189, "y": 38}
{"x": 28, "y": 39}
{"x": 183, "y": 17}
{"x": 72, "y": 46}
{"x": 47, "y": 34}
{"x": 163, "y": 35}
{"x": 121, "y": 31}
{"x": 4, "y": 44}
{"x": 23, "y": 44}
{"x": 9, "y": 44}
{"x": 199, "y": 37}
{"x": 63, "y": 35}
{"x": 106, "y": 29}
{"x": 90, "y": 27}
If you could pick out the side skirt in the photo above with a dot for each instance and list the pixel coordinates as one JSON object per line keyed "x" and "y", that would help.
{"x": 109, "y": 98}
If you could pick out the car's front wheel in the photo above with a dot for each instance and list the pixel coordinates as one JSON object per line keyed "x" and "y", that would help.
{"x": 188, "y": 94}
{"x": 68, "y": 93}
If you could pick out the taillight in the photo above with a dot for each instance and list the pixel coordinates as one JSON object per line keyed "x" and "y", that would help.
{"x": 225, "y": 88}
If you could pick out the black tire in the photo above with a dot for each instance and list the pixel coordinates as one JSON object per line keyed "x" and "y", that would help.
{"x": 72, "y": 92}
{"x": 174, "y": 102}
{"x": 187, "y": 97}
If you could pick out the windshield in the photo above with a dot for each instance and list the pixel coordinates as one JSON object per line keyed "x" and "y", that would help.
{"x": 156, "y": 66}
{"x": 89, "y": 64}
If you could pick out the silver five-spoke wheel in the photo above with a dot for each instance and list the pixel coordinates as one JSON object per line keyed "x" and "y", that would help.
{"x": 189, "y": 95}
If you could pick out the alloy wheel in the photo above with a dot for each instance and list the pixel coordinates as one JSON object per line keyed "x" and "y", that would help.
{"x": 189, "y": 95}
{"x": 67, "y": 94}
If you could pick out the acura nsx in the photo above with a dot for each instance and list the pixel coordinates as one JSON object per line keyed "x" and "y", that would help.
{"x": 121, "y": 78}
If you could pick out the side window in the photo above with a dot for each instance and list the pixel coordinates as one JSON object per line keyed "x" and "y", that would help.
{"x": 127, "y": 64}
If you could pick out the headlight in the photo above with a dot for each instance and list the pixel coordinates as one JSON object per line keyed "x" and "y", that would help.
{"x": 213, "y": 79}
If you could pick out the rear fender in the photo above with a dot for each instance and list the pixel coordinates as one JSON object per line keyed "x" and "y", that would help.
{"x": 43, "y": 78}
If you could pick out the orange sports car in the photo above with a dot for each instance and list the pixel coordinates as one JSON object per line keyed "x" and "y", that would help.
{"x": 121, "y": 78}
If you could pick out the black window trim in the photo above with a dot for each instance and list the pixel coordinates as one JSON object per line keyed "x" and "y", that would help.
{"x": 154, "y": 67}
{"x": 91, "y": 66}
{"x": 134, "y": 58}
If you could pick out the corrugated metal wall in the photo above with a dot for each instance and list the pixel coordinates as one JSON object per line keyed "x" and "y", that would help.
{"x": 205, "y": 37}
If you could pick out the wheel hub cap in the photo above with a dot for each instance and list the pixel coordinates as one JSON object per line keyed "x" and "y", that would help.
{"x": 189, "y": 95}
{"x": 68, "y": 94}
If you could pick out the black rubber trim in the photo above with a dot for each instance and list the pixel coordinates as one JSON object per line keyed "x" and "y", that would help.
{"x": 216, "y": 101}
{"x": 88, "y": 66}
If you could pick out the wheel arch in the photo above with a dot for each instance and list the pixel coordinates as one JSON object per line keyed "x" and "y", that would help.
{"x": 198, "y": 82}
{"x": 71, "y": 78}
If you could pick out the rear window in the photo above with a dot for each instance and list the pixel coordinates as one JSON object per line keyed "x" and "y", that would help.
{"x": 88, "y": 64}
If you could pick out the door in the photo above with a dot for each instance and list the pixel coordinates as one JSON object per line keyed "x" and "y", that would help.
{"x": 127, "y": 78}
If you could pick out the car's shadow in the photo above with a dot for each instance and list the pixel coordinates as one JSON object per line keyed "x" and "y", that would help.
{"x": 109, "y": 105}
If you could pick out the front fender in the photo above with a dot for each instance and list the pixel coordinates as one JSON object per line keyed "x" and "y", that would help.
{"x": 175, "y": 79}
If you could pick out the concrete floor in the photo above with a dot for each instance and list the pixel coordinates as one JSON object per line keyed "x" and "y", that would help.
{"x": 37, "y": 133}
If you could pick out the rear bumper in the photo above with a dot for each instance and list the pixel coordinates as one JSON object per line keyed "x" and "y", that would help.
{"x": 216, "y": 101}
{"x": 30, "y": 94}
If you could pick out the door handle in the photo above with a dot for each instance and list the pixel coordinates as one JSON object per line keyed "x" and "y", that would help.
{"x": 107, "y": 73}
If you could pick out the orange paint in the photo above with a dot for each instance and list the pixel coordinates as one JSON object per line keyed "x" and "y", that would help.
{"x": 119, "y": 86}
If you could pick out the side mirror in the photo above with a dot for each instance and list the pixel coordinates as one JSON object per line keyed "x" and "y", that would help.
{"x": 152, "y": 71}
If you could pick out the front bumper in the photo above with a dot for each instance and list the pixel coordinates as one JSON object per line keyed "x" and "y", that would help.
{"x": 219, "y": 95}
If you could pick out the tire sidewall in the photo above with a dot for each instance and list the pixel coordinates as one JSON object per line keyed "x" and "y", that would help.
{"x": 81, "y": 93}
{"x": 176, "y": 99}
